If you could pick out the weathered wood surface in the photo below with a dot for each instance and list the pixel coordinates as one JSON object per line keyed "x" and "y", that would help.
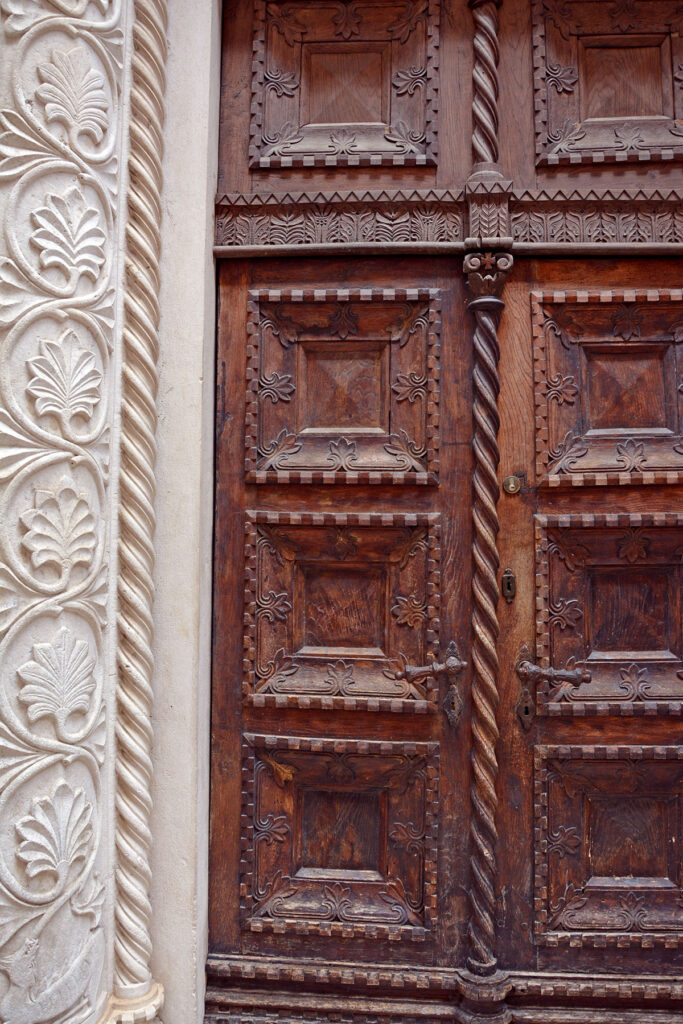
{"x": 377, "y": 852}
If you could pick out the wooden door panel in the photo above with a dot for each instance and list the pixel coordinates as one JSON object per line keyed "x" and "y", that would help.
{"x": 607, "y": 846}
{"x": 353, "y": 807}
{"x": 344, "y": 84}
{"x": 340, "y": 838}
{"x": 598, "y": 590}
{"x": 604, "y": 82}
{"x": 608, "y": 599}
{"x": 607, "y": 368}
{"x": 338, "y": 604}
{"x": 344, "y": 386}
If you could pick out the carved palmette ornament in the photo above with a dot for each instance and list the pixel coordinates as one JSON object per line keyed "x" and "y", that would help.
{"x": 60, "y": 154}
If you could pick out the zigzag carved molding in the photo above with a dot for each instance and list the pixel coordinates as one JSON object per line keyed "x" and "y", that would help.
{"x": 409, "y": 217}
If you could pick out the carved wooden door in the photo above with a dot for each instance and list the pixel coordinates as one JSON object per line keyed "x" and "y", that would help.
{"x": 345, "y": 740}
{"x": 447, "y": 761}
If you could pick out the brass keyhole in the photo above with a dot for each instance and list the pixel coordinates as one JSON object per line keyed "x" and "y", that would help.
{"x": 512, "y": 485}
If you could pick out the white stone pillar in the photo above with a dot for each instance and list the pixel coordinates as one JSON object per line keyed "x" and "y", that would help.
{"x": 81, "y": 91}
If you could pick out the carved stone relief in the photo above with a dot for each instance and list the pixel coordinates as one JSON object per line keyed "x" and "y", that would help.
{"x": 59, "y": 148}
{"x": 62, "y": 148}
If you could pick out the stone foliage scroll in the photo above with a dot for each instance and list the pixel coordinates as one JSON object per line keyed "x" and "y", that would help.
{"x": 62, "y": 210}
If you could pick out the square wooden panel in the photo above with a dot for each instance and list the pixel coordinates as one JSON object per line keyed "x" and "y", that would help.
{"x": 607, "y": 846}
{"x": 336, "y": 605}
{"x": 608, "y": 599}
{"x": 340, "y": 837}
{"x": 343, "y": 385}
{"x": 344, "y": 83}
{"x": 608, "y": 376}
{"x": 607, "y": 81}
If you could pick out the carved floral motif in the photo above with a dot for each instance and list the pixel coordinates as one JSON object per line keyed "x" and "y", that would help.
{"x": 64, "y": 379}
{"x": 58, "y": 682}
{"x": 562, "y": 79}
{"x": 347, "y": 19}
{"x": 56, "y": 834}
{"x": 61, "y": 530}
{"x": 60, "y": 145}
{"x": 409, "y": 611}
{"x": 73, "y": 94}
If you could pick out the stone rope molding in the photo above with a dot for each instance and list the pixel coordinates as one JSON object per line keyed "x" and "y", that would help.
{"x": 63, "y": 217}
{"x": 133, "y": 947}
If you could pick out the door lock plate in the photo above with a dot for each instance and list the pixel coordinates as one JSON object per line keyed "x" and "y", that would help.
{"x": 508, "y": 585}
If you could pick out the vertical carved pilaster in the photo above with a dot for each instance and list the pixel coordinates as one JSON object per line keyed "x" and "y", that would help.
{"x": 133, "y": 948}
{"x": 486, "y": 273}
{"x": 485, "y": 81}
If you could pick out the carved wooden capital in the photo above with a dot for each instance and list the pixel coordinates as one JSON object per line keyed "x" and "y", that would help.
{"x": 486, "y": 275}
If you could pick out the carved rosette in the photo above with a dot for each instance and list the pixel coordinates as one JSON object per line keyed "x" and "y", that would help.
{"x": 486, "y": 275}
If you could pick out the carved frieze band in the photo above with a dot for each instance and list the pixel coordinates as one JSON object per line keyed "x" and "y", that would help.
{"x": 340, "y": 218}
{"x": 589, "y": 219}
{"x": 584, "y": 219}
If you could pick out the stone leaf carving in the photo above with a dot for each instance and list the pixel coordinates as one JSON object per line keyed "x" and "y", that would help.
{"x": 60, "y": 155}
{"x": 61, "y": 529}
{"x": 64, "y": 379}
{"x": 56, "y": 834}
{"x": 73, "y": 94}
{"x": 69, "y": 236}
{"x": 21, "y": 14}
{"x": 59, "y": 681}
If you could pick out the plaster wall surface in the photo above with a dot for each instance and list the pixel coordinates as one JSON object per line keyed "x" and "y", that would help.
{"x": 184, "y": 510}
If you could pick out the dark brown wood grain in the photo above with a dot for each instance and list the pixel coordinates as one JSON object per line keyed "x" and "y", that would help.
{"x": 329, "y": 589}
{"x": 342, "y": 850}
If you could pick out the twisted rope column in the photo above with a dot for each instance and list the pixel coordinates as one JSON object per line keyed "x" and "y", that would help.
{"x": 485, "y": 81}
{"x": 133, "y": 948}
{"x": 486, "y": 274}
